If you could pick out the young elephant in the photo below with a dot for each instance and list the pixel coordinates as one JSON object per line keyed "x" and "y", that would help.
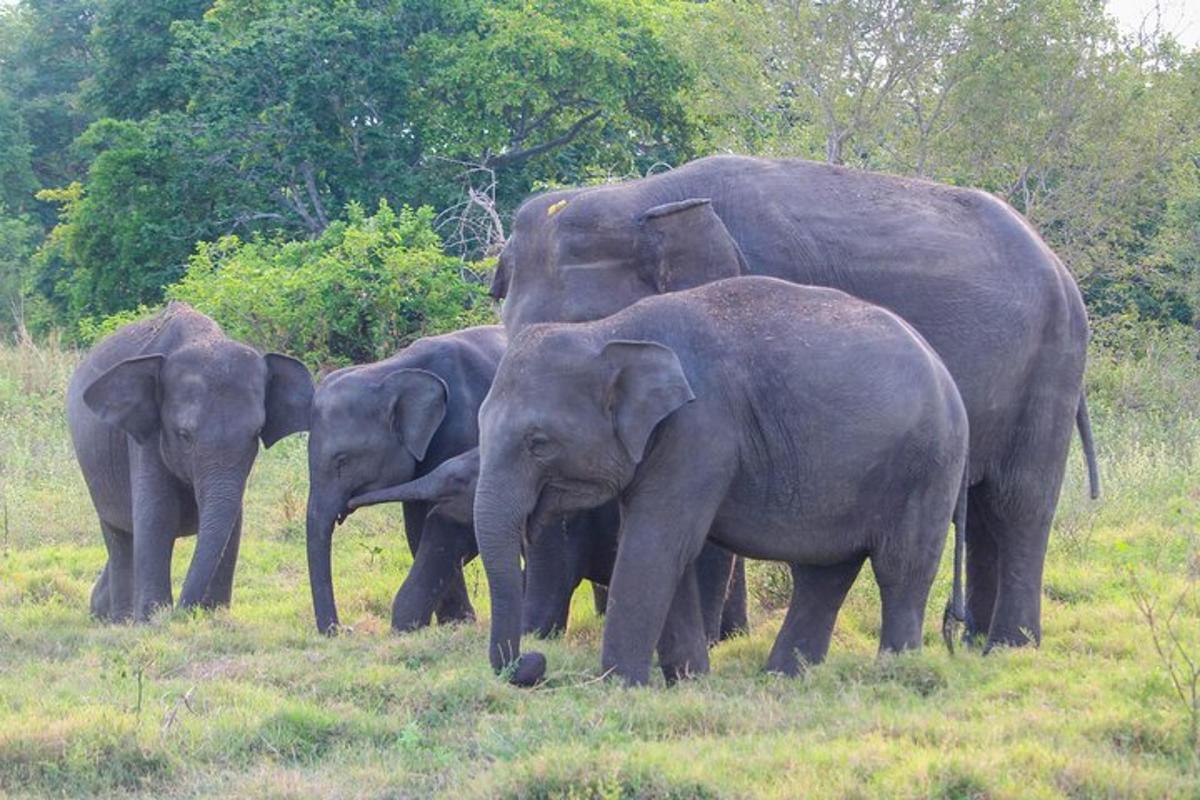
{"x": 788, "y": 423}
{"x": 559, "y": 555}
{"x": 386, "y": 423}
{"x": 166, "y": 415}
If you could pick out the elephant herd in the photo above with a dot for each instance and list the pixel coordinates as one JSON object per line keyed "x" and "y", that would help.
{"x": 773, "y": 359}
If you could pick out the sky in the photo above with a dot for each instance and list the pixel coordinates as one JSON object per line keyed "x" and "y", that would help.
{"x": 1179, "y": 17}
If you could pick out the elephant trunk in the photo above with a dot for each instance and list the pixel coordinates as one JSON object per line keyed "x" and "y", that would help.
{"x": 219, "y": 500}
{"x": 319, "y": 526}
{"x": 500, "y": 517}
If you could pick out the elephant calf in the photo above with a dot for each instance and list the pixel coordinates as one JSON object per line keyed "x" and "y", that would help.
{"x": 166, "y": 415}
{"x": 786, "y": 422}
{"x": 558, "y": 556}
{"x": 382, "y": 424}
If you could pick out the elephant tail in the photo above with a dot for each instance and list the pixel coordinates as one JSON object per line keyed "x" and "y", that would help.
{"x": 1084, "y": 423}
{"x": 956, "y": 607}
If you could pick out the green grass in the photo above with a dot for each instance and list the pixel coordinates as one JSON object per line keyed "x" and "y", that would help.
{"x": 252, "y": 702}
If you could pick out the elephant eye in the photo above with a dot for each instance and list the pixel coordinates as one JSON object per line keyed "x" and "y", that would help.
{"x": 184, "y": 435}
{"x": 540, "y": 445}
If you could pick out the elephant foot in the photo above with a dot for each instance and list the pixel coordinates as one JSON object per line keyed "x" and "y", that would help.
{"x": 673, "y": 673}
{"x": 1019, "y": 638}
{"x": 457, "y": 616}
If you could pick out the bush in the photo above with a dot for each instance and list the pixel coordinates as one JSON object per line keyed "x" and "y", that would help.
{"x": 366, "y": 287}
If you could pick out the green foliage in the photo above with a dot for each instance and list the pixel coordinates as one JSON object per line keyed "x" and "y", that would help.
{"x": 17, "y": 181}
{"x": 92, "y": 329}
{"x": 357, "y": 101}
{"x": 118, "y": 241}
{"x": 359, "y": 292}
{"x": 185, "y": 121}
{"x": 45, "y": 58}
{"x": 1041, "y": 102}
{"x": 132, "y": 41}
{"x": 18, "y": 238}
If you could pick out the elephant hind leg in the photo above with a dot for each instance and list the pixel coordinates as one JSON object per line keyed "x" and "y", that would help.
{"x": 455, "y": 604}
{"x": 600, "y": 598}
{"x": 817, "y": 596}
{"x": 714, "y": 570}
{"x": 112, "y": 596}
{"x": 983, "y": 564}
{"x": 1017, "y": 509}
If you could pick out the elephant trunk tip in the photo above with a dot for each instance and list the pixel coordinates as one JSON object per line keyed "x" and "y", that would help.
{"x": 528, "y": 670}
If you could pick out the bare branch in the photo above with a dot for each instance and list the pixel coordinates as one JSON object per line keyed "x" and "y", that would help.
{"x": 511, "y": 157}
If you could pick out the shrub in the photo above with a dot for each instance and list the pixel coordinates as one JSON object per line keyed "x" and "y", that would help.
{"x": 366, "y": 287}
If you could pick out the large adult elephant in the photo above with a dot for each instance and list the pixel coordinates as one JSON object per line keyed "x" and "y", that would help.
{"x": 961, "y": 266}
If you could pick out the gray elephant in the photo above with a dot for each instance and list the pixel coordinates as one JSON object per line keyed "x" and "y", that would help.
{"x": 386, "y": 423}
{"x": 166, "y": 415}
{"x": 560, "y": 554}
{"x": 959, "y": 265}
{"x": 789, "y": 423}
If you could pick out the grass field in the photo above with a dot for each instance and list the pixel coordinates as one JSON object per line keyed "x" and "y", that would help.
{"x": 252, "y": 702}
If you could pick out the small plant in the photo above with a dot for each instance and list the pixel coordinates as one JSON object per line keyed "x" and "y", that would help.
{"x": 133, "y": 665}
{"x": 1173, "y": 631}
{"x": 374, "y": 551}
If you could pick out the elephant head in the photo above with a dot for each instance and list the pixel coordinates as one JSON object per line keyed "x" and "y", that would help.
{"x": 583, "y": 255}
{"x": 564, "y": 428}
{"x": 204, "y": 409}
{"x": 371, "y": 428}
{"x": 449, "y": 489}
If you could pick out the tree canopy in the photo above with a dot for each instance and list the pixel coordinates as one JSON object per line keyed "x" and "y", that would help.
{"x": 132, "y": 133}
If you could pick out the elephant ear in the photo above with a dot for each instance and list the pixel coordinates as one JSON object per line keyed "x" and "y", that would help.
{"x": 417, "y": 405}
{"x": 126, "y": 396}
{"x": 685, "y": 244}
{"x": 648, "y": 384}
{"x": 500, "y": 280}
{"x": 289, "y": 398}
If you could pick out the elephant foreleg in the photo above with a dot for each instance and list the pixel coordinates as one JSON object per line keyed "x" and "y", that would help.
{"x": 683, "y": 647}
{"x": 438, "y": 561}
{"x": 220, "y": 590}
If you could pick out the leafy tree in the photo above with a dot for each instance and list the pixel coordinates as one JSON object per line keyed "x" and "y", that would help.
{"x": 287, "y": 111}
{"x": 1039, "y": 101}
{"x": 363, "y": 289}
{"x": 125, "y": 233}
{"x": 45, "y": 57}
{"x": 18, "y": 238}
{"x": 131, "y": 41}
{"x": 17, "y": 182}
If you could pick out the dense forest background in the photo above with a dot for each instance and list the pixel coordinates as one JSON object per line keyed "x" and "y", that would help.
{"x": 332, "y": 176}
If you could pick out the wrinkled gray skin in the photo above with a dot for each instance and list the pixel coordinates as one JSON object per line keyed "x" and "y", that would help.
{"x": 386, "y": 423}
{"x": 959, "y": 265}
{"x": 788, "y": 423}
{"x": 560, "y": 553}
{"x": 166, "y": 415}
